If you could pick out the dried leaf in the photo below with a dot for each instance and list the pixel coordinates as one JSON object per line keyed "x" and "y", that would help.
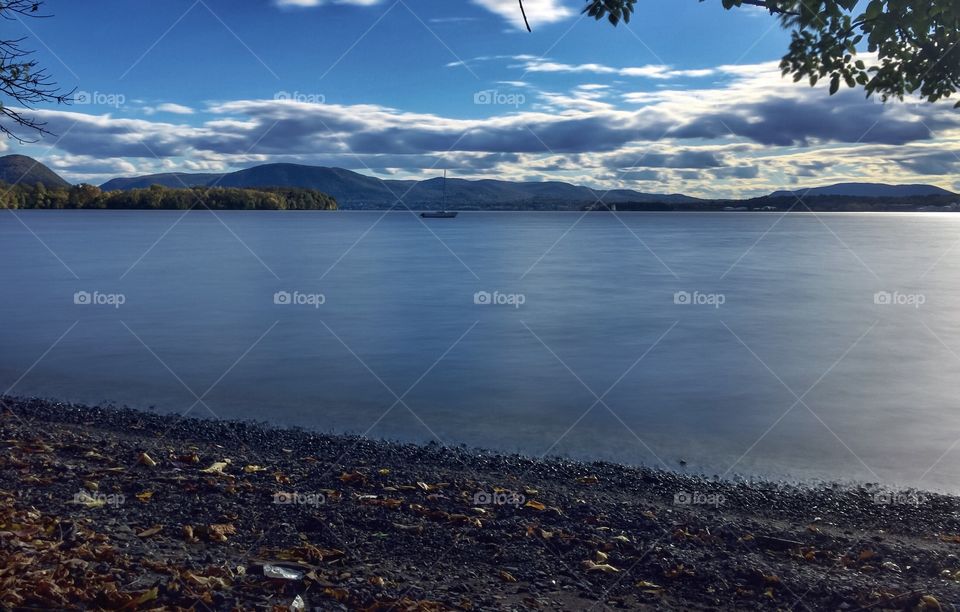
{"x": 643, "y": 584}
{"x": 600, "y": 567}
{"x": 507, "y": 576}
{"x": 146, "y": 533}
{"x": 148, "y": 595}
{"x": 145, "y": 459}
{"x": 535, "y": 505}
{"x": 219, "y": 532}
{"x": 353, "y": 477}
{"x": 145, "y": 496}
{"x": 217, "y": 468}
{"x": 190, "y": 458}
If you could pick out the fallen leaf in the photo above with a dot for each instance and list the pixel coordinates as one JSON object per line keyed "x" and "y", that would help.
{"x": 507, "y": 576}
{"x": 219, "y": 532}
{"x": 350, "y": 477}
{"x": 535, "y": 505}
{"x": 148, "y": 595}
{"x": 146, "y": 533}
{"x": 145, "y": 459}
{"x": 252, "y": 469}
{"x": 600, "y": 567}
{"x": 217, "y": 468}
{"x": 145, "y": 496}
{"x": 191, "y": 458}
{"x": 588, "y": 480}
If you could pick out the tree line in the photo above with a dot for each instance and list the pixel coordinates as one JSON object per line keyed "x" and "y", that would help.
{"x": 157, "y": 197}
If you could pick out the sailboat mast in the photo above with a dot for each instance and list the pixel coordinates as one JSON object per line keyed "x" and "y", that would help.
{"x": 444, "y": 189}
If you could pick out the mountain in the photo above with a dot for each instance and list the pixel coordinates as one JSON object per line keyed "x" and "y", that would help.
{"x": 20, "y": 169}
{"x": 355, "y": 190}
{"x": 173, "y": 180}
{"x": 866, "y": 190}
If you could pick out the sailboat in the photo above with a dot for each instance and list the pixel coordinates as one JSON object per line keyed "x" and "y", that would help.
{"x": 441, "y": 214}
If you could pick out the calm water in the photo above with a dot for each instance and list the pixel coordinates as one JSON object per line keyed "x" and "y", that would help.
{"x": 717, "y": 387}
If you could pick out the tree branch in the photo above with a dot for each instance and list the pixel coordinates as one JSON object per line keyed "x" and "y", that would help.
{"x": 524, "y": 13}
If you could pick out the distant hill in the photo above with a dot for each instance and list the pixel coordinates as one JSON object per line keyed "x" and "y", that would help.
{"x": 174, "y": 180}
{"x": 25, "y": 170}
{"x": 866, "y": 190}
{"x": 355, "y": 190}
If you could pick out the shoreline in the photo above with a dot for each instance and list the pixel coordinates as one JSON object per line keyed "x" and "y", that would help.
{"x": 359, "y": 523}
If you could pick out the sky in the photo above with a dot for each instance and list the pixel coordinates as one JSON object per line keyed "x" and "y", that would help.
{"x": 687, "y": 98}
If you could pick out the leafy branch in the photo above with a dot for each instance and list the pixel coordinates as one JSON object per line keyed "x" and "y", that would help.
{"x": 917, "y": 42}
{"x": 21, "y": 79}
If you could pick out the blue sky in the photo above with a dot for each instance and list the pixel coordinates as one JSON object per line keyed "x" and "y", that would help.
{"x": 687, "y": 98}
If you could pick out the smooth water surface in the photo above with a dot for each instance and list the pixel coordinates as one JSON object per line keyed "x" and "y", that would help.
{"x": 798, "y": 373}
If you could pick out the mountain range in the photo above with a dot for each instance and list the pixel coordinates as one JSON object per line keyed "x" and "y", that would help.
{"x": 865, "y": 190}
{"x": 353, "y": 190}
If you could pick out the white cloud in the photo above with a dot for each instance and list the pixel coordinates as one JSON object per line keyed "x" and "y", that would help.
{"x": 650, "y": 71}
{"x": 764, "y": 129}
{"x": 539, "y": 12}
{"x": 177, "y": 109}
